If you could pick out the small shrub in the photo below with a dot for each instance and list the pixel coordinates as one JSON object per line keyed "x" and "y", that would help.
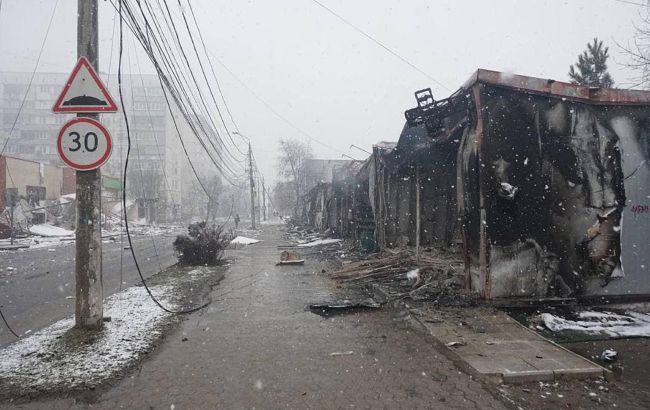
{"x": 204, "y": 245}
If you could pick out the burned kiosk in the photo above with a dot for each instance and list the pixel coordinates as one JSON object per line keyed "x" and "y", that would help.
{"x": 546, "y": 183}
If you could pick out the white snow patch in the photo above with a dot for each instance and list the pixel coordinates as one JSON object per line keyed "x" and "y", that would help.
{"x": 509, "y": 189}
{"x": 49, "y": 230}
{"x": 610, "y": 324}
{"x": 319, "y": 242}
{"x": 413, "y": 274}
{"x": 53, "y": 358}
{"x": 242, "y": 240}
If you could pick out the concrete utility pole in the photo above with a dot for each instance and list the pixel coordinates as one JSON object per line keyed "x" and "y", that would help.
{"x": 89, "y": 310}
{"x": 252, "y": 183}
{"x": 264, "y": 198}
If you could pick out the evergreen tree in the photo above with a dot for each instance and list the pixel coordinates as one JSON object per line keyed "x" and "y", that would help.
{"x": 591, "y": 68}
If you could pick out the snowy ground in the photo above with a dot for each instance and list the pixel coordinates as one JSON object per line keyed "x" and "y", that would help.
{"x": 242, "y": 240}
{"x": 600, "y": 323}
{"x": 59, "y": 358}
{"x": 319, "y": 242}
{"x": 49, "y": 236}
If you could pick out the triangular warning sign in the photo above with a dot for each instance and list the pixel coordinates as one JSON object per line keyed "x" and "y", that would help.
{"x": 84, "y": 92}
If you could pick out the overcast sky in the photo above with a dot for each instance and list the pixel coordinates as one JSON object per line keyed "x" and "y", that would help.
{"x": 331, "y": 81}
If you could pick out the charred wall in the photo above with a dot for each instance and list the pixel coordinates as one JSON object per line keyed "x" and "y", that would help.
{"x": 553, "y": 194}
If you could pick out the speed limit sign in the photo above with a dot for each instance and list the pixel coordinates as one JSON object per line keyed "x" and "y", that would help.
{"x": 84, "y": 144}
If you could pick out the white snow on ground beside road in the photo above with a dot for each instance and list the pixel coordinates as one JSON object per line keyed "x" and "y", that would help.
{"x": 54, "y": 358}
{"x": 49, "y": 230}
{"x": 630, "y": 324}
{"x": 242, "y": 240}
{"x": 319, "y": 242}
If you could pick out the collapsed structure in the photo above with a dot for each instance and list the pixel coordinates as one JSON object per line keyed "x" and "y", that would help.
{"x": 545, "y": 186}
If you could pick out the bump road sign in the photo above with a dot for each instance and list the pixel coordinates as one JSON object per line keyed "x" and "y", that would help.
{"x": 84, "y": 92}
{"x": 84, "y": 144}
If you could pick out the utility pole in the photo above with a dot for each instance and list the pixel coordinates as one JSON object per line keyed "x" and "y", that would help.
{"x": 252, "y": 183}
{"x": 263, "y": 198}
{"x": 417, "y": 214}
{"x": 12, "y": 205}
{"x": 89, "y": 310}
{"x": 259, "y": 207}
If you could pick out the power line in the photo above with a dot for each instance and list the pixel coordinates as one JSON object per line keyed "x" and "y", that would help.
{"x": 631, "y": 2}
{"x": 7, "y": 324}
{"x": 189, "y": 32}
{"x": 205, "y": 50}
{"x": 175, "y": 80}
{"x": 31, "y": 79}
{"x": 184, "y": 55}
{"x": 380, "y": 44}
{"x": 271, "y": 109}
{"x": 126, "y": 164}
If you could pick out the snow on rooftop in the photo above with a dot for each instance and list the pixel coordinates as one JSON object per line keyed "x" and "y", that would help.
{"x": 49, "y": 230}
{"x": 242, "y": 240}
{"x": 58, "y": 358}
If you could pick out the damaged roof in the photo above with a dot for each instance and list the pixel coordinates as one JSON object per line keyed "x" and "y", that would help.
{"x": 541, "y": 86}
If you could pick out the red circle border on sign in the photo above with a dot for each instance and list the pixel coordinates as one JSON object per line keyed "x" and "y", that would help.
{"x": 96, "y": 164}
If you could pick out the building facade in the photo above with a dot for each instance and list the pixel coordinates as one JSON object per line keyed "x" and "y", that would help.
{"x": 155, "y": 149}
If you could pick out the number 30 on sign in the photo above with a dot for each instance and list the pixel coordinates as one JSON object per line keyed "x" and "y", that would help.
{"x": 84, "y": 144}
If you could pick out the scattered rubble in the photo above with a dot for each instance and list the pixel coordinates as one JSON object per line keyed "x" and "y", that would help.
{"x": 290, "y": 258}
{"x": 438, "y": 278}
{"x": 609, "y": 355}
{"x": 342, "y": 307}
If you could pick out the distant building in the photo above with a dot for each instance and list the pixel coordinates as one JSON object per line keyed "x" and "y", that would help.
{"x": 321, "y": 170}
{"x": 33, "y": 181}
{"x": 154, "y": 141}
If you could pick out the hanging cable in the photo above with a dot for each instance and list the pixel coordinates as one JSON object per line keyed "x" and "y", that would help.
{"x": 31, "y": 79}
{"x": 7, "y": 324}
{"x": 126, "y": 165}
{"x": 380, "y": 44}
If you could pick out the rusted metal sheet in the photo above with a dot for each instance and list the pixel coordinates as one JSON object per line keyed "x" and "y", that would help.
{"x": 574, "y": 92}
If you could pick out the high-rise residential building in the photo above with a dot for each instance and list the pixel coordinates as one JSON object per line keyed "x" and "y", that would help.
{"x": 156, "y": 158}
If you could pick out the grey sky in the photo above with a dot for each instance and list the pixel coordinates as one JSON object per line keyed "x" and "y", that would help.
{"x": 329, "y": 80}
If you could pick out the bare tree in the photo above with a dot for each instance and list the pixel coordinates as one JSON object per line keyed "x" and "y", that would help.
{"x": 639, "y": 50}
{"x": 213, "y": 186}
{"x": 146, "y": 187}
{"x": 291, "y": 164}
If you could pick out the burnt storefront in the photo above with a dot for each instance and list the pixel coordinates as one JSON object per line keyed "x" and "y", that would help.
{"x": 543, "y": 186}
{"x": 545, "y": 171}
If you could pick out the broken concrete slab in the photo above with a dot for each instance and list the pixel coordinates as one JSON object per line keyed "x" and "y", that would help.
{"x": 497, "y": 347}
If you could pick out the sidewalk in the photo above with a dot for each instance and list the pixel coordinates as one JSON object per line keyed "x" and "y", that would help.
{"x": 493, "y": 345}
{"x": 258, "y": 346}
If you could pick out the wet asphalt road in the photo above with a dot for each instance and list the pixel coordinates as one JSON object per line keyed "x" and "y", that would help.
{"x": 39, "y": 290}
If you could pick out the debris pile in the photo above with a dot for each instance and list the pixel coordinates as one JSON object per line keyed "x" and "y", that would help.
{"x": 438, "y": 278}
{"x": 290, "y": 258}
